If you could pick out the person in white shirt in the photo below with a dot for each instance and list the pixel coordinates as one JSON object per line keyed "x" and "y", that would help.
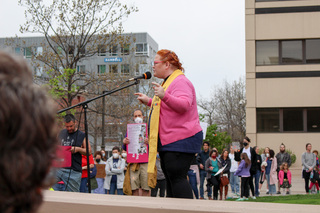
{"x": 234, "y": 180}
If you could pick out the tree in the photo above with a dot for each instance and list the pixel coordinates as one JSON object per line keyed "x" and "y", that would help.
{"x": 226, "y": 108}
{"x": 73, "y": 30}
{"x": 230, "y": 110}
{"x": 219, "y": 140}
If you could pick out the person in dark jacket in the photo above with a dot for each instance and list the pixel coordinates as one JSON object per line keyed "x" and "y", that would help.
{"x": 212, "y": 166}
{"x": 257, "y": 175}
{"x": 201, "y": 158}
{"x": 252, "y": 157}
{"x": 225, "y": 161}
{"x": 282, "y": 157}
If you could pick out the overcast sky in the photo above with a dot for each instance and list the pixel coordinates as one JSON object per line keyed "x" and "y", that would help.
{"x": 207, "y": 35}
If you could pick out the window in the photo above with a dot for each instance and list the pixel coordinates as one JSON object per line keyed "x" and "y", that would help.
{"x": 17, "y": 50}
{"x": 267, "y": 52}
{"x": 125, "y": 49}
{"x": 125, "y": 69}
{"x": 83, "y": 51}
{"x": 142, "y": 49}
{"x": 38, "y": 71}
{"x": 101, "y": 69}
{"x": 313, "y": 51}
{"x": 292, "y": 120}
{"x": 313, "y": 120}
{"x": 39, "y": 51}
{"x": 70, "y": 50}
{"x": 304, "y": 51}
{"x": 113, "y": 50}
{"x": 113, "y": 68}
{"x": 27, "y": 52}
{"x": 102, "y": 50}
{"x": 292, "y": 52}
{"x": 81, "y": 69}
{"x": 268, "y": 120}
{"x": 59, "y": 50}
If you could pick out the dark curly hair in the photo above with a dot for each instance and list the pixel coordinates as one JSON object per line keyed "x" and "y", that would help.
{"x": 28, "y": 136}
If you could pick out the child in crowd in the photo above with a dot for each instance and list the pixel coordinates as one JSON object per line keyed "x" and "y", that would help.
{"x": 314, "y": 178}
{"x": 244, "y": 171}
{"x": 285, "y": 178}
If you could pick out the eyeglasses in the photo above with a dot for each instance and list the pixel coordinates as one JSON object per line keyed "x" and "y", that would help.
{"x": 156, "y": 62}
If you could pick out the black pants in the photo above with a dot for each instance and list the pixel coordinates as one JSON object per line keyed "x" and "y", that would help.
{"x": 161, "y": 184}
{"x": 175, "y": 166}
{"x": 251, "y": 184}
{"x": 245, "y": 187}
{"x": 215, "y": 187}
{"x": 306, "y": 176}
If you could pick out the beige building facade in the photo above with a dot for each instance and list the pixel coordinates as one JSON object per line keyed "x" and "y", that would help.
{"x": 283, "y": 74}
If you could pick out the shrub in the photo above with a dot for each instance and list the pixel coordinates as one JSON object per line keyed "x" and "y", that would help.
{"x": 292, "y": 155}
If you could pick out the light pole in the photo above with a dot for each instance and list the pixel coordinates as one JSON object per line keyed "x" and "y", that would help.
{"x": 103, "y": 123}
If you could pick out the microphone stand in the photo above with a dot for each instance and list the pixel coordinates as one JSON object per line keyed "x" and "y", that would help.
{"x": 84, "y": 105}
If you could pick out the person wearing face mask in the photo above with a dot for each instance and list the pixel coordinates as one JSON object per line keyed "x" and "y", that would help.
{"x": 100, "y": 164}
{"x": 251, "y": 153}
{"x": 212, "y": 166}
{"x": 103, "y": 155}
{"x": 114, "y": 173}
{"x": 282, "y": 157}
{"x": 136, "y": 178}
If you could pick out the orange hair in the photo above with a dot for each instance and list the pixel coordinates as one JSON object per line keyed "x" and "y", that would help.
{"x": 171, "y": 57}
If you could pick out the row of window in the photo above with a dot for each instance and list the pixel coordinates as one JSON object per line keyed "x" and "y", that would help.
{"x": 141, "y": 49}
{"x": 279, "y": 52}
{"x": 114, "y": 69}
{"x": 288, "y": 119}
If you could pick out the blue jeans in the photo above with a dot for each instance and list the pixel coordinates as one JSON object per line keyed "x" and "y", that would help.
{"x": 113, "y": 188}
{"x": 234, "y": 183}
{"x": 203, "y": 175}
{"x": 193, "y": 182}
{"x": 71, "y": 179}
{"x": 256, "y": 182}
{"x": 272, "y": 188}
{"x": 83, "y": 185}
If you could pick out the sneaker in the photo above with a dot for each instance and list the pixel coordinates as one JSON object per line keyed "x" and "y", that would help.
{"x": 278, "y": 192}
{"x": 235, "y": 196}
{"x": 288, "y": 193}
{"x": 254, "y": 197}
{"x": 267, "y": 192}
{"x": 245, "y": 198}
{"x": 240, "y": 199}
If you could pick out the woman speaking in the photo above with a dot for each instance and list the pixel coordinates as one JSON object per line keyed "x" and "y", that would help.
{"x": 174, "y": 127}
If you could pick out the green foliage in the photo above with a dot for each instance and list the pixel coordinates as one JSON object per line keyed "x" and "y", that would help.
{"x": 202, "y": 117}
{"x": 292, "y": 156}
{"x": 219, "y": 140}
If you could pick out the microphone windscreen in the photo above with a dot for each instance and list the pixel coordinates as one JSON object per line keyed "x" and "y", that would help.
{"x": 147, "y": 75}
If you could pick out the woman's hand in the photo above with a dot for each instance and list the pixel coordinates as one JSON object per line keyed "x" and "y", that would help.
{"x": 158, "y": 90}
{"x": 142, "y": 98}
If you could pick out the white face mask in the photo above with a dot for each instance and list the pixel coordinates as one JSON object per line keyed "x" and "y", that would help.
{"x": 267, "y": 155}
{"x": 124, "y": 155}
{"x": 138, "y": 120}
{"x": 115, "y": 155}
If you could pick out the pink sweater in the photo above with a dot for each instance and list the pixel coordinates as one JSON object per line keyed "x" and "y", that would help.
{"x": 281, "y": 176}
{"x": 179, "y": 117}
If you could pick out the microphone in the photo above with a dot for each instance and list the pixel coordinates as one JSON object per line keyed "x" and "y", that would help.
{"x": 146, "y": 75}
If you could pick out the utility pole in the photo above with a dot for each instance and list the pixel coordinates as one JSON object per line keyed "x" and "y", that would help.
{"x": 103, "y": 123}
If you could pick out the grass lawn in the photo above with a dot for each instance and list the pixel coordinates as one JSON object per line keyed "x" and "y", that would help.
{"x": 313, "y": 199}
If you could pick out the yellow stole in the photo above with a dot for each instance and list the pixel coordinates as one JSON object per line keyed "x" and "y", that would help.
{"x": 154, "y": 122}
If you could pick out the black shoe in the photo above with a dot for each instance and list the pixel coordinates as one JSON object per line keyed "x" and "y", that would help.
{"x": 215, "y": 198}
{"x": 278, "y": 192}
{"x": 288, "y": 192}
{"x": 267, "y": 192}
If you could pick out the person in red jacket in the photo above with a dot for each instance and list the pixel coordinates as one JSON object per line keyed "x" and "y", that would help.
{"x": 84, "y": 176}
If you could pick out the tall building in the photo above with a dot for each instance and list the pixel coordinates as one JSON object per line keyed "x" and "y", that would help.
{"x": 283, "y": 73}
